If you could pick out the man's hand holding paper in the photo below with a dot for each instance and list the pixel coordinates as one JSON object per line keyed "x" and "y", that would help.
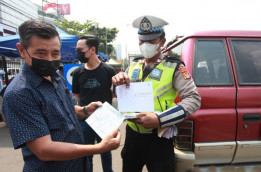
{"x": 111, "y": 141}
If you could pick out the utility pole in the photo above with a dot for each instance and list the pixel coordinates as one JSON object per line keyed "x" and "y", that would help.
{"x": 106, "y": 42}
{"x": 57, "y": 10}
{"x": 43, "y": 9}
{"x": 95, "y": 27}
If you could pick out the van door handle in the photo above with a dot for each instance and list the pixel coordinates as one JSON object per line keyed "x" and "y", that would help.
{"x": 251, "y": 117}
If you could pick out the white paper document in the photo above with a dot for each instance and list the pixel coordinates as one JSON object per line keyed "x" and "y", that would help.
{"x": 105, "y": 119}
{"x": 137, "y": 98}
{"x": 130, "y": 115}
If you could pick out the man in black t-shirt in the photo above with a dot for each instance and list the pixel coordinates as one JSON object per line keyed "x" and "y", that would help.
{"x": 92, "y": 82}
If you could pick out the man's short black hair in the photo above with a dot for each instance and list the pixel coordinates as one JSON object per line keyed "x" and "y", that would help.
{"x": 91, "y": 41}
{"x": 35, "y": 27}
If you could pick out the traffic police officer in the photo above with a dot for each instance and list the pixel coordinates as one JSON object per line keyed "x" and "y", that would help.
{"x": 146, "y": 142}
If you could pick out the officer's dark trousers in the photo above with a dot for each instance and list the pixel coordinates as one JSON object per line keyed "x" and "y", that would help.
{"x": 147, "y": 149}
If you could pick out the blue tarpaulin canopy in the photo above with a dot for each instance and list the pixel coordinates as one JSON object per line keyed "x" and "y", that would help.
{"x": 8, "y": 46}
{"x": 102, "y": 57}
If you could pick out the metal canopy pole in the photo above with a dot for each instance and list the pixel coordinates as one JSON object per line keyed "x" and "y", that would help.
{"x": 5, "y": 69}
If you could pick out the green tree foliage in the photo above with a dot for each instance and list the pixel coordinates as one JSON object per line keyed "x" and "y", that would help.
{"x": 106, "y": 35}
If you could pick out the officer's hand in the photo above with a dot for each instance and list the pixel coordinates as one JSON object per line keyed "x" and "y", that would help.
{"x": 110, "y": 142}
{"x": 120, "y": 79}
{"x": 147, "y": 120}
{"x": 92, "y": 107}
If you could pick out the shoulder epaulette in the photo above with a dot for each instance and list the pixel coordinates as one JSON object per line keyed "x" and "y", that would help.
{"x": 137, "y": 59}
{"x": 173, "y": 60}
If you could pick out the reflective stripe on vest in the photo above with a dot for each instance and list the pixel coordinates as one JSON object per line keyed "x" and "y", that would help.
{"x": 163, "y": 91}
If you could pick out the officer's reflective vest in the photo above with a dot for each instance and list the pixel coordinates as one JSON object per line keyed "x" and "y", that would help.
{"x": 163, "y": 91}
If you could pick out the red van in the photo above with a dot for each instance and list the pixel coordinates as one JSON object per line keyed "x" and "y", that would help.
{"x": 226, "y": 67}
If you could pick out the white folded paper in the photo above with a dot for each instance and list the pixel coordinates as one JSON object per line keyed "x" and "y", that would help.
{"x": 137, "y": 98}
{"x": 167, "y": 132}
{"x": 105, "y": 119}
{"x": 130, "y": 115}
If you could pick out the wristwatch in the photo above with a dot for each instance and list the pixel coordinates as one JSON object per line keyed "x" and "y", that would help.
{"x": 85, "y": 112}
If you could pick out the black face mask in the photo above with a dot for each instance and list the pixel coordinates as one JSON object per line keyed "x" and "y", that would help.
{"x": 44, "y": 67}
{"x": 81, "y": 56}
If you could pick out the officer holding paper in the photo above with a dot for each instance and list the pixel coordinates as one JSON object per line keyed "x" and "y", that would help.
{"x": 144, "y": 145}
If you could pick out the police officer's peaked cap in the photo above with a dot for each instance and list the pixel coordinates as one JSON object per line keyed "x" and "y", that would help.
{"x": 150, "y": 27}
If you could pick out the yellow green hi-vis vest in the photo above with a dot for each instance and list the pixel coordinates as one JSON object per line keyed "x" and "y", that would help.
{"x": 163, "y": 91}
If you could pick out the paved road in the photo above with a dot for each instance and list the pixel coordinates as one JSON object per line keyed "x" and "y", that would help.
{"x": 116, "y": 158}
{"x": 10, "y": 160}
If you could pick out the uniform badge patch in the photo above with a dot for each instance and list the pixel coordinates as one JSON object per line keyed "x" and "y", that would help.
{"x": 156, "y": 74}
{"x": 135, "y": 74}
{"x": 184, "y": 72}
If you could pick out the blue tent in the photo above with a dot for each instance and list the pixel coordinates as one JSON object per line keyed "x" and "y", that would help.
{"x": 102, "y": 57}
{"x": 8, "y": 46}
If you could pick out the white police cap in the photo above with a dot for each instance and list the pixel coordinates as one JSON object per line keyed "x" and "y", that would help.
{"x": 150, "y": 27}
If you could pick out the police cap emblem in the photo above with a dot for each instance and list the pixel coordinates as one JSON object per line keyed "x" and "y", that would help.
{"x": 145, "y": 25}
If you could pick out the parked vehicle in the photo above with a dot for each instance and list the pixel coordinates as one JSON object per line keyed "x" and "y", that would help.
{"x": 226, "y": 67}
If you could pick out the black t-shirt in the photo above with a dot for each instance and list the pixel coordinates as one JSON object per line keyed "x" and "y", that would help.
{"x": 93, "y": 85}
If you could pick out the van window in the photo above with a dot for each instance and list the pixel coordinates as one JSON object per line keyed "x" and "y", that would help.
{"x": 247, "y": 57}
{"x": 211, "y": 64}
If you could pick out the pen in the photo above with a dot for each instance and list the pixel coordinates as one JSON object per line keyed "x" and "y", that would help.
{"x": 159, "y": 103}
{"x": 166, "y": 103}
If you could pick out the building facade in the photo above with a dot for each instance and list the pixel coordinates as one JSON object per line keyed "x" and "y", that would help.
{"x": 15, "y": 12}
